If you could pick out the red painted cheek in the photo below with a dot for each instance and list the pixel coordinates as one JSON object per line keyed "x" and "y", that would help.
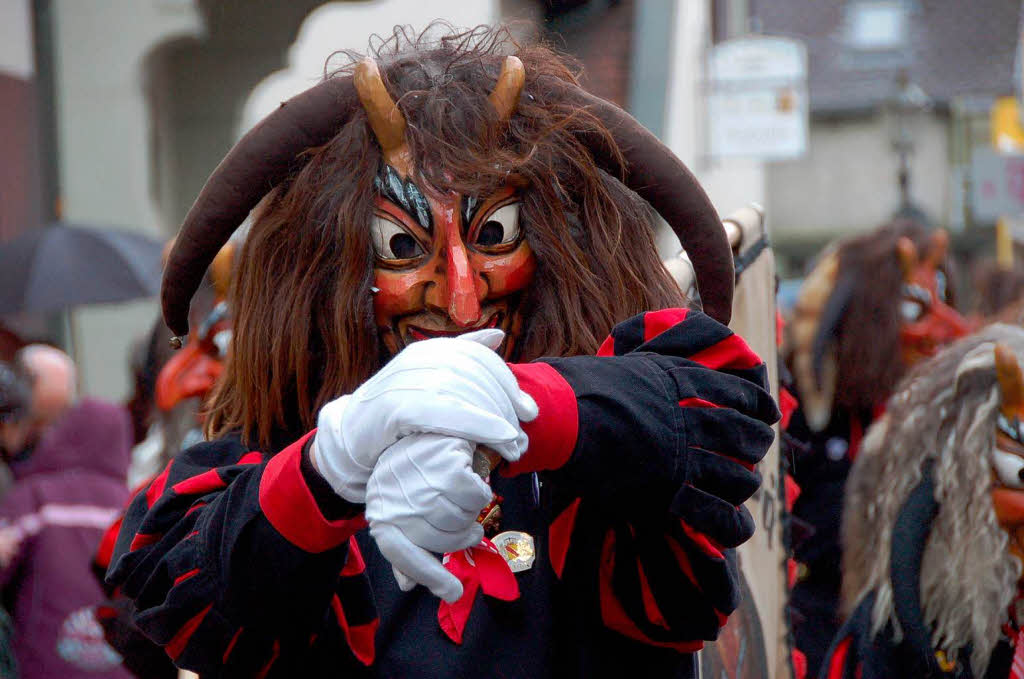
{"x": 941, "y": 325}
{"x": 191, "y": 372}
{"x": 509, "y": 273}
{"x": 1009, "y": 506}
{"x": 399, "y": 293}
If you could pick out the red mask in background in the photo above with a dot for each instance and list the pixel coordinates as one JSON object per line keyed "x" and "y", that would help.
{"x": 194, "y": 369}
{"x": 929, "y": 322}
{"x": 446, "y": 264}
{"x": 1008, "y": 456}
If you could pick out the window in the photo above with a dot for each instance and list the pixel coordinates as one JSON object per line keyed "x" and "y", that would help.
{"x": 876, "y": 24}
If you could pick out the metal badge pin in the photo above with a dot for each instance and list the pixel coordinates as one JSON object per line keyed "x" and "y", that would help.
{"x": 517, "y": 548}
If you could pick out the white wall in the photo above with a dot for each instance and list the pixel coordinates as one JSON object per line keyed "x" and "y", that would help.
{"x": 103, "y": 148}
{"x": 339, "y": 25}
{"x": 16, "y": 53}
{"x": 847, "y": 182}
{"x": 731, "y": 184}
{"x": 104, "y": 128}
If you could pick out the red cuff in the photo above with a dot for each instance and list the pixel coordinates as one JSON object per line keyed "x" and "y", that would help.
{"x": 291, "y": 508}
{"x": 105, "y": 553}
{"x": 553, "y": 434}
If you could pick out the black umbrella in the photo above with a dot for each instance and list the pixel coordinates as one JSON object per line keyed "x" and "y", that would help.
{"x": 65, "y": 265}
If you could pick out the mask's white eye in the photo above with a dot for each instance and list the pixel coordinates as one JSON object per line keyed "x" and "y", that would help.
{"x": 501, "y": 227}
{"x": 222, "y": 340}
{"x": 1009, "y": 468}
{"x": 941, "y": 286}
{"x": 910, "y": 310}
{"x": 391, "y": 241}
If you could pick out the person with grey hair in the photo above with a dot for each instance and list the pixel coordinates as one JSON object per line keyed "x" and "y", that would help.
{"x": 933, "y": 523}
{"x": 54, "y": 380}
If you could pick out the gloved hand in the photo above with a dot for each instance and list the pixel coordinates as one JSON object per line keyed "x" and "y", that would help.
{"x": 724, "y": 443}
{"x": 423, "y": 496}
{"x": 454, "y": 386}
{"x": 677, "y": 420}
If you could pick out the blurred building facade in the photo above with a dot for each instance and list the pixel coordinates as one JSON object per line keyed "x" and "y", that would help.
{"x": 888, "y": 76}
{"x": 139, "y": 100}
{"x": 21, "y": 179}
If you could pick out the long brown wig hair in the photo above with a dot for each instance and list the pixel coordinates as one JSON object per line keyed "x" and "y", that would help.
{"x": 944, "y": 411}
{"x": 303, "y": 319}
{"x": 868, "y": 335}
{"x": 844, "y": 340}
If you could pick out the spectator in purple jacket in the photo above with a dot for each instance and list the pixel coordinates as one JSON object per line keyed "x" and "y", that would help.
{"x": 66, "y": 494}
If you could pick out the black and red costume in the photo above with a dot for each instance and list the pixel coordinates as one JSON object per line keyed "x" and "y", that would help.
{"x": 244, "y": 562}
{"x": 856, "y": 653}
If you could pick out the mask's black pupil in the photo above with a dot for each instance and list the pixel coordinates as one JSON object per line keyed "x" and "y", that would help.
{"x": 491, "y": 233}
{"x": 404, "y": 246}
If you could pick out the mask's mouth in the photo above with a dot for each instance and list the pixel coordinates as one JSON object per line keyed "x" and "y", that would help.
{"x": 415, "y": 333}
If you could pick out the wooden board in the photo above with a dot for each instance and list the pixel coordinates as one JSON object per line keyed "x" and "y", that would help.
{"x": 754, "y": 641}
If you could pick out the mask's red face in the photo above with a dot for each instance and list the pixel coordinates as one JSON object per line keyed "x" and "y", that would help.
{"x": 446, "y": 264}
{"x": 1008, "y": 455}
{"x": 193, "y": 371}
{"x": 929, "y": 322}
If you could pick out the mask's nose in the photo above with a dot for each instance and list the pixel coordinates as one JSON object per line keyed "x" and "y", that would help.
{"x": 952, "y": 323}
{"x": 463, "y": 301}
{"x": 459, "y": 289}
{"x": 190, "y": 372}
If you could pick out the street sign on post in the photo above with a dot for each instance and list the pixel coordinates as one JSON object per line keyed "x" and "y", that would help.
{"x": 997, "y": 184}
{"x": 757, "y": 98}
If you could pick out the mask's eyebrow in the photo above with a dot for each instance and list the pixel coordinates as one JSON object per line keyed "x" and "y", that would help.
{"x": 405, "y": 194}
{"x": 1010, "y": 429}
{"x": 470, "y": 204}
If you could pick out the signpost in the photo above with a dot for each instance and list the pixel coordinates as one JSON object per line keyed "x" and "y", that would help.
{"x": 997, "y": 184}
{"x": 757, "y": 98}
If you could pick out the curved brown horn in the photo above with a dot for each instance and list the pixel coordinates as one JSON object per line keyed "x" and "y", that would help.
{"x": 265, "y": 155}
{"x": 1011, "y": 382}
{"x": 505, "y": 95}
{"x": 907, "y": 253}
{"x": 386, "y": 119}
{"x": 659, "y": 177}
{"x": 939, "y": 247}
{"x": 255, "y": 165}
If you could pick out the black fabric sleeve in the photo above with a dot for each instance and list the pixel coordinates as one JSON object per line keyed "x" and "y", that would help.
{"x": 232, "y": 568}
{"x": 676, "y": 422}
{"x": 332, "y": 505}
{"x": 673, "y": 417}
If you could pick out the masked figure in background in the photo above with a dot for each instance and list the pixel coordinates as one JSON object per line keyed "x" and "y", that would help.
{"x": 171, "y": 386}
{"x": 934, "y": 520}
{"x": 872, "y": 307}
{"x": 439, "y": 221}
{"x": 181, "y": 388}
{"x": 999, "y": 282}
{"x": 999, "y": 291}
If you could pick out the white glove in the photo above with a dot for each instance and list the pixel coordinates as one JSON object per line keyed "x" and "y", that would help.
{"x": 456, "y": 386}
{"x": 423, "y": 496}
